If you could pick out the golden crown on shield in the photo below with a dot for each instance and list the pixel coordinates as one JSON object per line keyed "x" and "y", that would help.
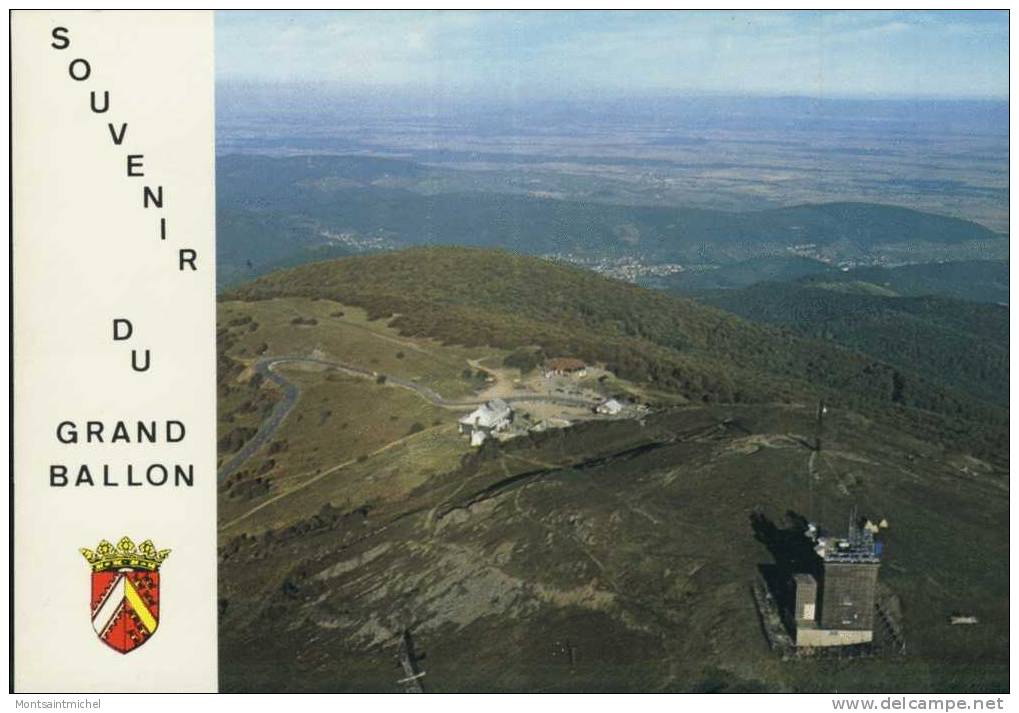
{"x": 124, "y": 554}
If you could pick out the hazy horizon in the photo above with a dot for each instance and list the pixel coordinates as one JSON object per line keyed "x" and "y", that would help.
{"x": 526, "y": 56}
{"x": 735, "y": 111}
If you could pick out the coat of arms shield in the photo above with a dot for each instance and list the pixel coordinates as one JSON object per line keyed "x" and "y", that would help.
{"x": 125, "y": 592}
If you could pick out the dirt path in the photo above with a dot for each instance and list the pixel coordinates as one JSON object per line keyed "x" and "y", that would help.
{"x": 320, "y": 476}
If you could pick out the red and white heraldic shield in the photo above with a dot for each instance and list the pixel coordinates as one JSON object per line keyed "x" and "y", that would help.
{"x": 125, "y": 592}
{"x": 125, "y": 607}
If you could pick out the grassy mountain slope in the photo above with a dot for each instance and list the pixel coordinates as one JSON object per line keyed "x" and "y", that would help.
{"x": 629, "y": 542}
{"x": 632, "y": 543}
{"x": 478, "y": 297}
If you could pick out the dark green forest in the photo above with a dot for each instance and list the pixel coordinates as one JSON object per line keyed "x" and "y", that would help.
{"x": 975, "y": 280}
{"x": 955, "y": 342}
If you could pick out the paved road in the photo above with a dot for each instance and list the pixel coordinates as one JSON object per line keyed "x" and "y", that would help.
{"x": 291, "y": 392}
{"x": 269, "y": 425}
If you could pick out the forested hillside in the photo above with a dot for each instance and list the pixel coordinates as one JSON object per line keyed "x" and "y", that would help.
{"x": 963, "y": 344}
{"x": 474, "y": 297}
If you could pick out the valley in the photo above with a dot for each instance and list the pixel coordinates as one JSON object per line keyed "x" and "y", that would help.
{"x": 328, "y": 206}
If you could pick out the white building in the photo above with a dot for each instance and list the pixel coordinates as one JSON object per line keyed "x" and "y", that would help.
{"x": 491, "y": 417}
{"x": 609, "y": 407}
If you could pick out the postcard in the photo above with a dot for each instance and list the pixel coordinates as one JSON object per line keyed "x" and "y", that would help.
{"x": 449, "y": 351}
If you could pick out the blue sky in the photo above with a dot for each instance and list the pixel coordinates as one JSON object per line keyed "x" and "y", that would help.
{"x": 945, "y": 54}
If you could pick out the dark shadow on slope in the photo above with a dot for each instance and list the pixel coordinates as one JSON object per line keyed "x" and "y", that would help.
{"x": 792, "y": 551}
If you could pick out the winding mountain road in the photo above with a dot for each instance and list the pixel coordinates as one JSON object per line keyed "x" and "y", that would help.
{"x": 291, "y": 392}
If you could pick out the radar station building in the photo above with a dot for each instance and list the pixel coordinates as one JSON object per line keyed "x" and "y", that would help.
{"x": 839, "y": 610}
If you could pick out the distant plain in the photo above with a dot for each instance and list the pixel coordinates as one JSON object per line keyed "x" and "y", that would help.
{"x": 947, "y": 157}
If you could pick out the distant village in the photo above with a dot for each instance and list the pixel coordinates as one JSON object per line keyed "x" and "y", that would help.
{"x": 629, "y": 268}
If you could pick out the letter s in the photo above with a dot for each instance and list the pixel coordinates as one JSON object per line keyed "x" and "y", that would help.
{"x": 60, "y": 39}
